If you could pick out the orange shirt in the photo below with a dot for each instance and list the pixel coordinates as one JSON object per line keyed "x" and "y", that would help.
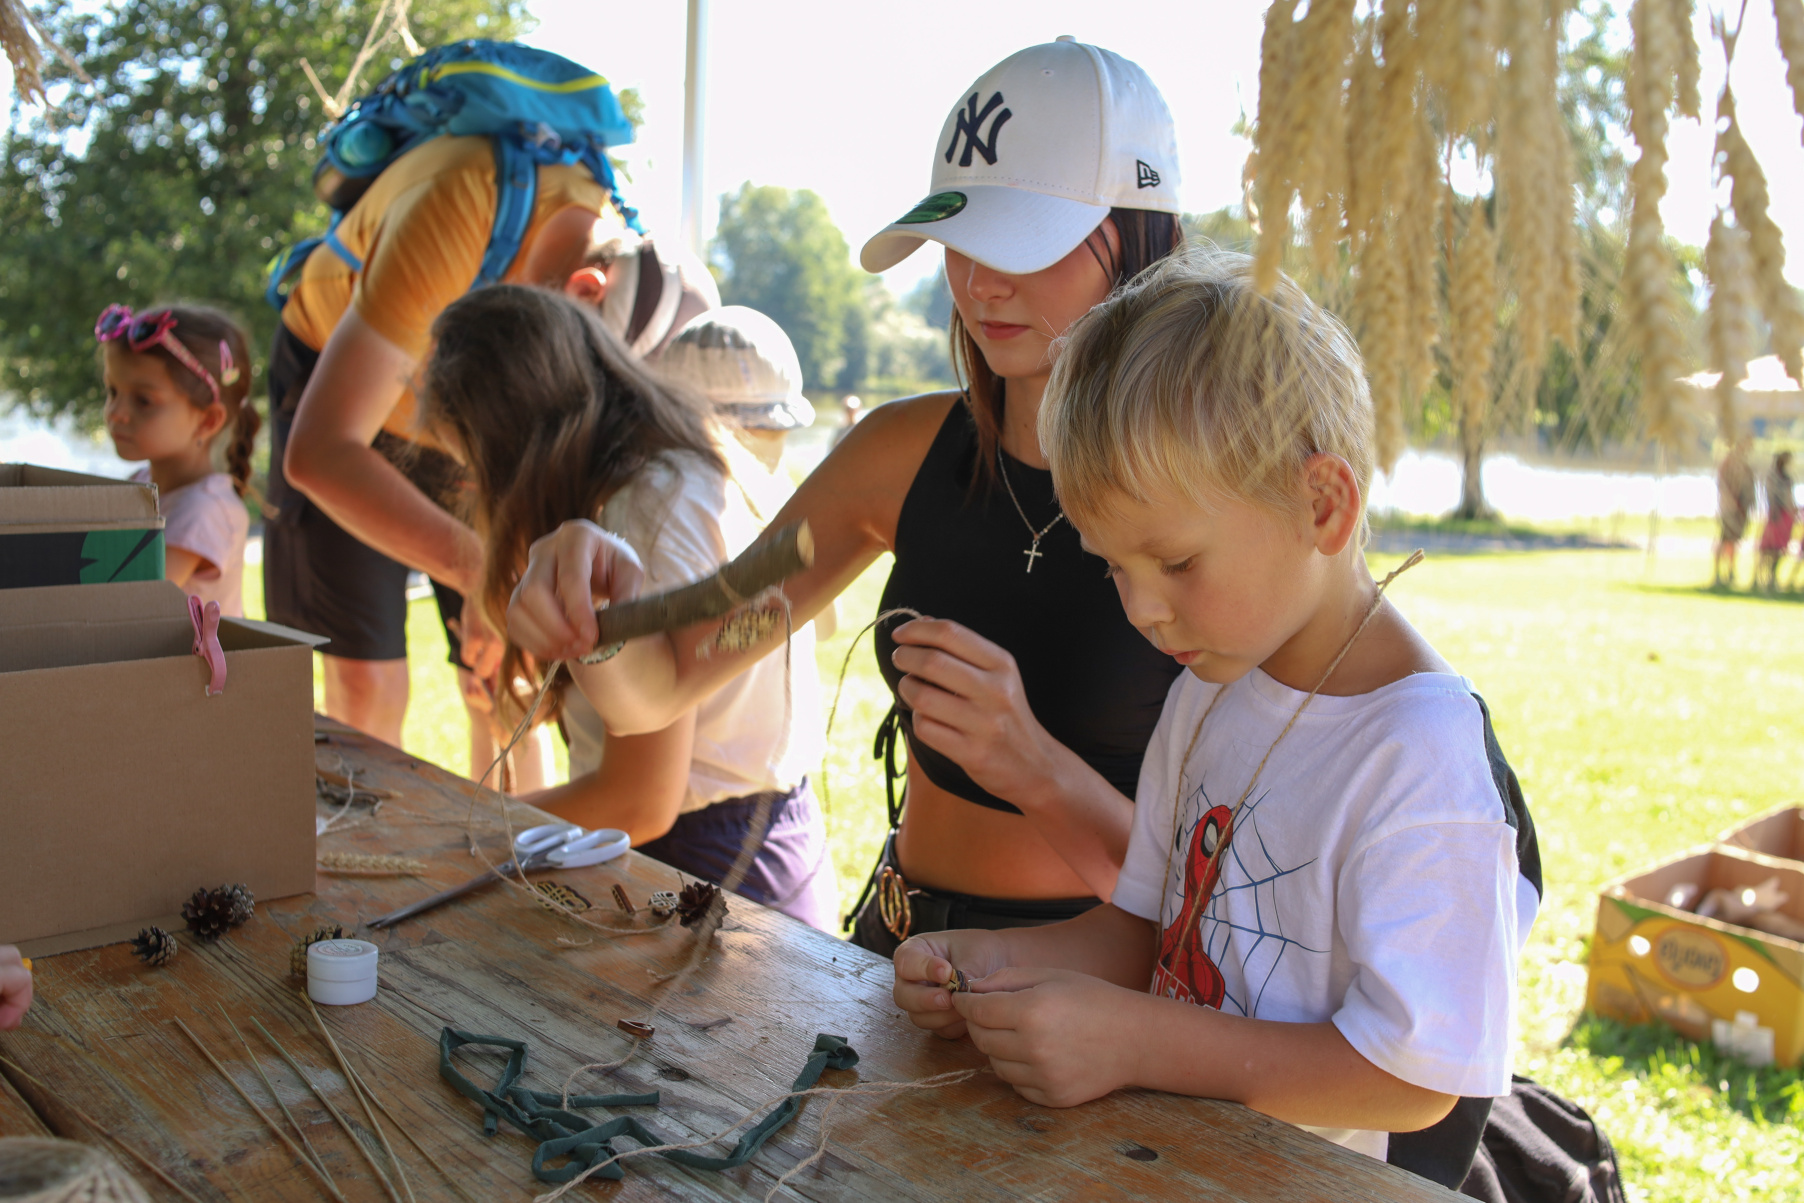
{"x": 421, "y": 231}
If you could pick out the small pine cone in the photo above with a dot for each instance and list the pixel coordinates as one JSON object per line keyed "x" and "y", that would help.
{"x": 553, "y": 894}
{"x": 211, "y": 913}
{"x": 297, "y": 956}
{"x": 154, "y": 946}
{"x": 698, "y": 900}
{"x": 244, "y": 903}
{"x": 663, "y": 904}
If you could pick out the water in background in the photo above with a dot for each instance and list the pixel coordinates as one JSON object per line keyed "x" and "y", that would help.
{"x": 1425, "y": 482}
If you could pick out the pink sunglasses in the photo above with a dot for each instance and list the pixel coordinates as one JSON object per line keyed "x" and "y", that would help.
{"x": 142, "y": 331}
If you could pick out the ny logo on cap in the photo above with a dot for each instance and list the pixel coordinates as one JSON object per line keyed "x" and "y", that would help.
{"x": 970, "y": 122}
{"x": 1144, "y": 175}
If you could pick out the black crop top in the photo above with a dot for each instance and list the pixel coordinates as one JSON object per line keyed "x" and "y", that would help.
{"x": 1094, "y": 682}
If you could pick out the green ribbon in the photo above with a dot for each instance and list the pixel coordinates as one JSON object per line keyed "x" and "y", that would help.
{"x": 581, "y": 1142}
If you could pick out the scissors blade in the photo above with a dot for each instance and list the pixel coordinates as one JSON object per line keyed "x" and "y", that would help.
{"x": 443, "y": 896}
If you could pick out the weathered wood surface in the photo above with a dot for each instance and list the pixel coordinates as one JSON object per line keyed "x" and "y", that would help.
{"x": 16, "y": 1116}
{"x": 102, "y": 1037}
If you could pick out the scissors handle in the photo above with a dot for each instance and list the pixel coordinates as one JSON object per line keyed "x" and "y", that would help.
{"x": 443, "y": 896}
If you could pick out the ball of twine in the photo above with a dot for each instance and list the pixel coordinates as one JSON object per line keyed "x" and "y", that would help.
{"x": 42, "y": 1170}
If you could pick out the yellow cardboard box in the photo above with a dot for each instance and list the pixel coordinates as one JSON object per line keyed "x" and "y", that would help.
{"x": 1709, "y": 980}
{"x": 1777, "y": 833}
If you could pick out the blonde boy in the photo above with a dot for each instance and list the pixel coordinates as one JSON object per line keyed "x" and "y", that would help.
{"x": 1353, "y": 945}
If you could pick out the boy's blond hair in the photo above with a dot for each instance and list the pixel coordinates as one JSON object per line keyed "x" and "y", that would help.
{"x": 1187, "y": 383}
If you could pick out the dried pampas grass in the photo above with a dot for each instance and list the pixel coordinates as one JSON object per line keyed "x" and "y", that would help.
{"x": 1647, "y": 278}
{"x": 1731, "y": 329}
{"x": 1473, "y": 302}
{"x": 16, "y": 28}
{"x": 1748, "y": 195}
{"x": 1789, "y": 15}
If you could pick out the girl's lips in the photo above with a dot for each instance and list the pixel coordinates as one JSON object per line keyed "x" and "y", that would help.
{"x": 1185, "y": 658}
{"x": 999, "y": 331}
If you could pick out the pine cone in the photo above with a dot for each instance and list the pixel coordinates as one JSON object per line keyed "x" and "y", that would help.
{"x": 553, "y": 892}
{"x": 698, "y": 900}
{"x": 154, "y": 946}
{"x": 297, "y": 956}
{"x": 212, "y": 913}
{"x": 663, "y": 904}
{"x": 244, "y": 903}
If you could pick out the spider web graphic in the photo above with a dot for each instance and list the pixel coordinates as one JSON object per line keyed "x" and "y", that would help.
{"x": 1249, "y": 873}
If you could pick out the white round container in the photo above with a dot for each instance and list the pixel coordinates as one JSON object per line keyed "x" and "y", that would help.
{"x": 341, "y": 972}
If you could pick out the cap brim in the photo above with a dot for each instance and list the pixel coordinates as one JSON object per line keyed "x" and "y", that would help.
{"x": 792, "y": 413}
{"x": 1010, "y": 230}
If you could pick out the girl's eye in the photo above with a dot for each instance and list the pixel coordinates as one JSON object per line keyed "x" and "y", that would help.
{"x": 1182, "y": 566}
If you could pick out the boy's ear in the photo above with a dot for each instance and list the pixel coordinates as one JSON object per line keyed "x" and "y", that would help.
{"x": 1334, "y": 502}
{"x": 588, "y": 284}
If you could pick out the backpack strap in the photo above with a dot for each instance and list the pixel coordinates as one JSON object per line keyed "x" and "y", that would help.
{"x": 651, "y": 291}
{"x": 516, "y": 188}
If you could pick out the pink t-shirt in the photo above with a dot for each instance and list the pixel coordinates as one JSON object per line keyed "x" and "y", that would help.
{"x": 208, "y": 519}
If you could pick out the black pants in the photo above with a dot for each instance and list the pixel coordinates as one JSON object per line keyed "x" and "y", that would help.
{"x": 943, "y": 910}
{"x": 317, "y": 576}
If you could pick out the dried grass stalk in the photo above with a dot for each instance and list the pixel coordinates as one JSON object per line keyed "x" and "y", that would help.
{"x": 1274, "y": 155}
{"x": 1689, "y": 68}
{"x": 1419, "y": 226}
{"x": 22, "y": 50}
{"x": 1321, "y": 48}
{"x": 1779, "y": 300}
{"x": 1383, "y": 304}
{"x": 1365, "y": 189}
{"x": 361, "y": 864}
{"x": 1472, "y": 297}
{"x": 1534, "y": 183}
{"x": 1731, "y": 329}
{"x": 1789, "y": 16}
{"x": 1647, "y": 277}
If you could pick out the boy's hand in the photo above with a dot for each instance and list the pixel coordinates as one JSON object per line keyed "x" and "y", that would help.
{"x": 15, "y": 988}
{"x": 969, "y": 703}
{"x": 1059, "y": 1038}
{"x": 923, "y": 963}
{"x": 552, "y": 613}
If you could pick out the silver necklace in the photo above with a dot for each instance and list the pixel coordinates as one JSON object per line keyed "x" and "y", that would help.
{"x": 1032, "y": 553}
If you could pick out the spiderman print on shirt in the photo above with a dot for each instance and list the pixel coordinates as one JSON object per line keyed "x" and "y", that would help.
{"x": 1205, "y": 936}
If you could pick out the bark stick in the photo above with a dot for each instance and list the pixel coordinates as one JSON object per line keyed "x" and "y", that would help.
{"x": 755, "y": 570}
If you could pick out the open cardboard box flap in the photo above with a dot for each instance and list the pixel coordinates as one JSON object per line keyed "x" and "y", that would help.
{"x": 34, "y": 496}
{"x": 127, "y": 785}
{"x": 63, "y": 626}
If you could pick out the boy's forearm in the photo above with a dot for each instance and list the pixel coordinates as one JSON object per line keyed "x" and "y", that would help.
{"x": 1105, "y": 942}
{"x": 1303, "y": 1073}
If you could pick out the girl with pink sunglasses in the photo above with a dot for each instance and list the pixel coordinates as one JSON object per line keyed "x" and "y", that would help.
{"x": 178, "y": 377}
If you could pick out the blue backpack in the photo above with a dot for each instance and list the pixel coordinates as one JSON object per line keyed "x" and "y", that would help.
{"x": 538, "y": 107}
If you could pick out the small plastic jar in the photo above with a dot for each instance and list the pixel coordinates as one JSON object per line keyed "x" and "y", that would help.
{"x": 341, "y": 972}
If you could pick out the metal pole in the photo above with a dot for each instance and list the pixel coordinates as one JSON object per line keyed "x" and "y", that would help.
{"x": 695, "y": 103}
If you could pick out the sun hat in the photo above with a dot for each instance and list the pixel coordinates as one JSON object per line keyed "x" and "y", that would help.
{"x": 743, "y": 362}
{"x": 1034, "y": 155}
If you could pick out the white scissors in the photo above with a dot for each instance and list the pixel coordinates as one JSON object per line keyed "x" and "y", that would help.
{"x": 549, "y": 846}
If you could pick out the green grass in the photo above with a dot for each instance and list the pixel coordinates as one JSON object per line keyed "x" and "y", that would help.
{"x": 1644, "y": 715}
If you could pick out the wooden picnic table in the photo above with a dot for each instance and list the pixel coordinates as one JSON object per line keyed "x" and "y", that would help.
{"x": 102, "y": 1039}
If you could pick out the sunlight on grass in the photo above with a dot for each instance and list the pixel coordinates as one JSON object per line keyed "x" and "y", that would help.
{"x": 1643, "y": 714}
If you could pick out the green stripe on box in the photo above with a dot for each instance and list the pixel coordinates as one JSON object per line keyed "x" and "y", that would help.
{"x": 95, "y": 557}
{"x": 121, "y": 555}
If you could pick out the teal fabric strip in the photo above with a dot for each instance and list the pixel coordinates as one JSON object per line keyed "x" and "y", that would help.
{"x": 580, "y": 1142}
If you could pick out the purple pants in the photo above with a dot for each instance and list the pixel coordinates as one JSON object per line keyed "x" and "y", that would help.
{"x": 791, "y": 872}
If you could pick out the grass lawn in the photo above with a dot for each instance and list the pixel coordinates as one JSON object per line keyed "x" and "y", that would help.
{"x": 1643, "y": 714}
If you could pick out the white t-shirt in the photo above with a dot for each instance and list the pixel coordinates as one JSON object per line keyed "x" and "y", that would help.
{"x": 685, "y": 520}
{"x": 1371, "y": 879}
{"x": 208, "y": 519}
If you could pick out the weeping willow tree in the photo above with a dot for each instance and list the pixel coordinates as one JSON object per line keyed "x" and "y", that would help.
{"x": 1365, "y": 109}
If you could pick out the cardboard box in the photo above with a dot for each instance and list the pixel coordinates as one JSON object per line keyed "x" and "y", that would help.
{"x": 67, "y": 528}
{"x": 1709, "y": 980}
{"x": 1779, "y": 833}
{"x": 125, "y": 786}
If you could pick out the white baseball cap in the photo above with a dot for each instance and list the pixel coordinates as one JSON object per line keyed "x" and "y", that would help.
{"x": 743, "y": 362}
{"x": 1033, "y": 157}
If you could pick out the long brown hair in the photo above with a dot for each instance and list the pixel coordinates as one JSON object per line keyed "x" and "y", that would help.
{"x": 201, "y": 329}
{"x": 1146, "y": 238}
{"x": 552, "y": 416}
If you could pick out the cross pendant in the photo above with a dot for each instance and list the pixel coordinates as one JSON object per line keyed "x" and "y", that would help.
{"x": 1033, "y": 553}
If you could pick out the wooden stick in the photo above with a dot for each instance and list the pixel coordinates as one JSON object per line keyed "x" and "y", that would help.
{"x": 89, "y": 1120}
{"x": 422, "y": 1150}
{"x": 271, "y": 1087}
{"x": 330, "y": 1108}
{"x": 369, "y": 1113}
{"x": 756, "y": 569}
{"x": 331, "y": 1187}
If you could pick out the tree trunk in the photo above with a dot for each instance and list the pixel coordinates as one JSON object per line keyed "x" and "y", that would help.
{"x": 1472, "y": 502}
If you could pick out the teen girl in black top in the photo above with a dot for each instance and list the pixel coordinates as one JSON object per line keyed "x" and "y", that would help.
{"x": 1025, "y": 698}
